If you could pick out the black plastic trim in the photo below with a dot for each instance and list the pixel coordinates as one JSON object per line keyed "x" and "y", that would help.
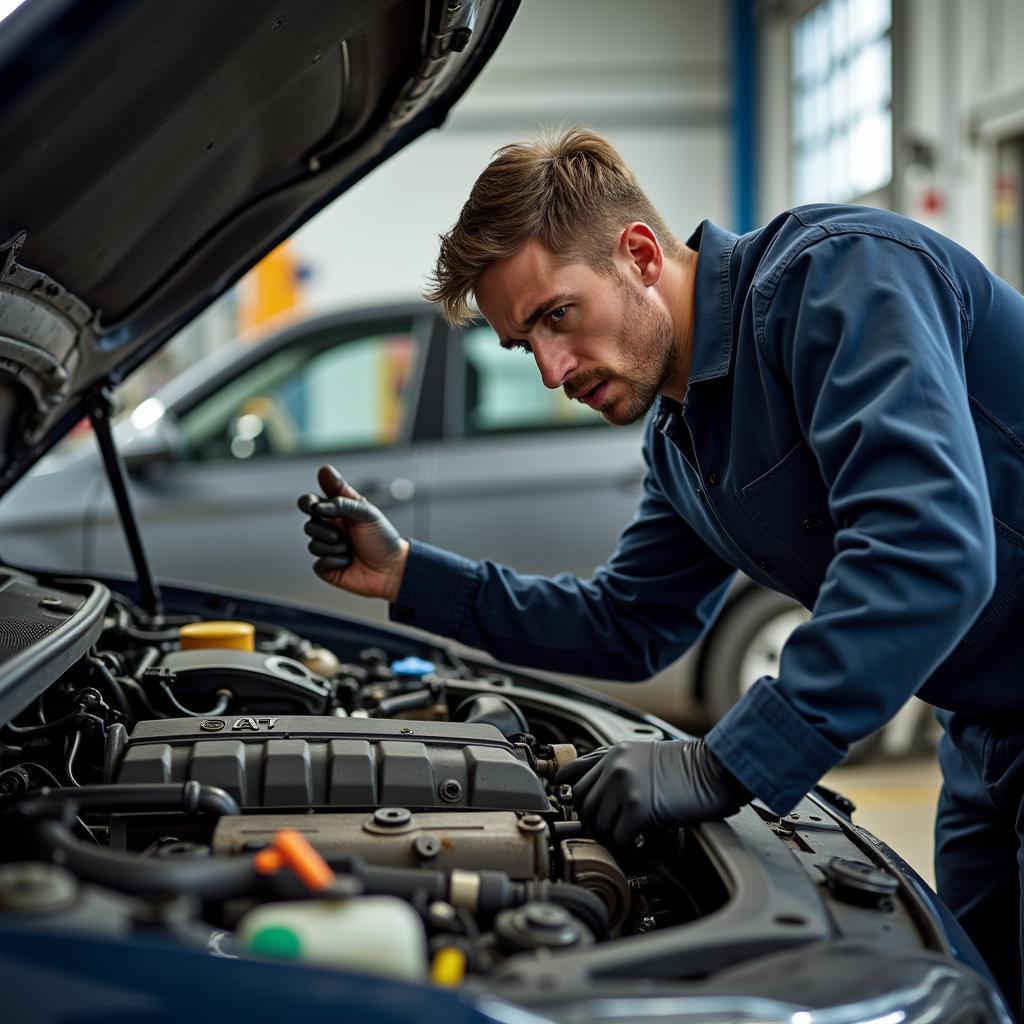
{"x": 27, "y": 674}
{"x": 772, "y": 906}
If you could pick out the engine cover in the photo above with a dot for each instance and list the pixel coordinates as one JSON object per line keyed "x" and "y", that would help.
{"x": 308, "y": 761}
{"x": 393, "y": 836}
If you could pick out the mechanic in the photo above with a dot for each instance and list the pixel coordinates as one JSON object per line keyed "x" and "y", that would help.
{"x": 837, "y": 409}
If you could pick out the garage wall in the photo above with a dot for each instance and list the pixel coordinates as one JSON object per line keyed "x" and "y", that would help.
{"x": 965, "y": 101}
{"x": 959, "y": 120}
{"x": 651, "y": 74}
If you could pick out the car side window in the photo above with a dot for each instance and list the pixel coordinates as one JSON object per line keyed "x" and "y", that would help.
{"x": 504, "y": 392}
{"x": 316, "y": 396}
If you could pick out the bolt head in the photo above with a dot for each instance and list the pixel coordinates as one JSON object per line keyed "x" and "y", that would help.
{"x": 531, "y": 823}
{"x": 392, "y": 817}
{"x": 450, "y": 790}
{"x": 541, "y": 916}
{"x": 427, "y": 846}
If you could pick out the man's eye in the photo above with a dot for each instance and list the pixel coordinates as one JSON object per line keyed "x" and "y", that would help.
{"x": 558, "y": 315}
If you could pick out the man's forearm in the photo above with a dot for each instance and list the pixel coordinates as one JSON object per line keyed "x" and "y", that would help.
{"x": 600, "y": 627}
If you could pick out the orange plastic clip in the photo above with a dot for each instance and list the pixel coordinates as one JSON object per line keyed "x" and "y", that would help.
{"x": 268, "y": 861}
{"x": 292, "y": 849}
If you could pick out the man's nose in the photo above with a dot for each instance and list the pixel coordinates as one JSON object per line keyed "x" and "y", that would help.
{"x": 554, "y": 361}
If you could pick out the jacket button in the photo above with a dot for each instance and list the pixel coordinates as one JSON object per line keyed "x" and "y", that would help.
{"x": 764, "y": 565}
{"x": 812, "y": 523}
{"x": 713, "y": 478}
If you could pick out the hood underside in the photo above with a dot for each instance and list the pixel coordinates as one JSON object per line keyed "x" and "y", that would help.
{"x": 153, "y": 152}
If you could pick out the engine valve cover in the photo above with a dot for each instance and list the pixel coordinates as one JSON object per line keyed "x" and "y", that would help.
{"x": 395, "y": 837}
{"x": 307, "y": 761}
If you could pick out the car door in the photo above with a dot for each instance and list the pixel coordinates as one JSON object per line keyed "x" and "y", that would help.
{"x": 224, "y": 512}
{"x": 526, "y": 476}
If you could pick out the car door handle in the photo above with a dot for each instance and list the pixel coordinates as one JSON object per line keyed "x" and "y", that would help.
{"x": 395, "y": 492}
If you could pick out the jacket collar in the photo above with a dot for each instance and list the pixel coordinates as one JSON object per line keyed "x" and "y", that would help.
{"x": 712, "y": 315}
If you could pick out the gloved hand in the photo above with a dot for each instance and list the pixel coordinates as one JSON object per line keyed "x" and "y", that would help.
{"x": 621, "y": 790}
{"x": 356, "y": 546}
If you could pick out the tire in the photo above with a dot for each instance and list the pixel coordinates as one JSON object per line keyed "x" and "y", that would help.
{"x": 745, "y": 644}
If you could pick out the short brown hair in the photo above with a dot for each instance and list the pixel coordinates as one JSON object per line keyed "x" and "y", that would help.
{"x": 571, "y": 191}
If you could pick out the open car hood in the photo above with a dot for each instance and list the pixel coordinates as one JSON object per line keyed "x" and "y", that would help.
{"x": 153, "y": 152}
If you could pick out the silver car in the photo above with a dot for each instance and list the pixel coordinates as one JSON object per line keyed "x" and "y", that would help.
{"x": 449, "y": 434}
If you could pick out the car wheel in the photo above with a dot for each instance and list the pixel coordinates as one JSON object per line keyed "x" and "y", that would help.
{"x": 746, "y": 644}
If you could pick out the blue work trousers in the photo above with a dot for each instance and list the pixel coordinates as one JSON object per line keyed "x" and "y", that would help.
{"x": 979, "y": 839}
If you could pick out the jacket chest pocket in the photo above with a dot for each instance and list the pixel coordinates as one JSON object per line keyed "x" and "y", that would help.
{"x": 789, "y": 505}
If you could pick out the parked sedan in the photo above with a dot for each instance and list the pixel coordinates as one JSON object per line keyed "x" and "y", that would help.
{"x": 452, "y": 436}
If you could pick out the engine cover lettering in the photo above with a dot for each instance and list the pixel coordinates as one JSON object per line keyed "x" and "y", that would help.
{"x": 254, "y": 724}
{"x": 239, "y": 724}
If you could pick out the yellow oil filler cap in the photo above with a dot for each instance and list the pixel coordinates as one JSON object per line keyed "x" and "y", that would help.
{"x": 237, "y": 636}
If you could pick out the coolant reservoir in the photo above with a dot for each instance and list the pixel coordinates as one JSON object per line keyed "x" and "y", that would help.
{"x": 374, "y": 934}
{"x": 237, "y": 636}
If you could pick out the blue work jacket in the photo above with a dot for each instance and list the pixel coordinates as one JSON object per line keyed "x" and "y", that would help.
{"x": 852, "y": 435}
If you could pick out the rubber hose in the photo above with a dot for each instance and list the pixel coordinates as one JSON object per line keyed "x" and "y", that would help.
{"x": 403, "y": 702}
{"x": 215, "y": 878}
{"x": 190, "y": 797}
{"x": 114, "y": 689}
{"x": 403, "y": 882}
{"x": 584, "y": 904}
{"x": 42, "y": 730}
{"x": 497, "y": 892}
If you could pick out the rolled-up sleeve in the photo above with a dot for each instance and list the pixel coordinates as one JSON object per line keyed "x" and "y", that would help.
{"x": 870, "y": 334}
{"x": 637, "y": 613}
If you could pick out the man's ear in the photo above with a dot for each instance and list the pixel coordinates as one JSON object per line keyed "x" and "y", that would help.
{"x": 641, "y": 253}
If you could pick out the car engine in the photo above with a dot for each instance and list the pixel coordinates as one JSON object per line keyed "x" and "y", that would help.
{"x": 254, "y": 780}
{"x": 190, "y": 771}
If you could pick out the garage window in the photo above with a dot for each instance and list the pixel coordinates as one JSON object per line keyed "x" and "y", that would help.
{"x": 842, "y": 101}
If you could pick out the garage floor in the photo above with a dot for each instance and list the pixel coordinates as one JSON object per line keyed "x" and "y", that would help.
{"x": 895, "y": 801}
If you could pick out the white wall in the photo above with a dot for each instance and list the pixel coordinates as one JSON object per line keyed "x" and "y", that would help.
{"x": 651, "y": 74}
{"x": 964, "y": 94}
{"x": 959, "y": 85}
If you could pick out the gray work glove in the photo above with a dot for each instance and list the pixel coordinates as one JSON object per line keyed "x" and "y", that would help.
{"x": 356, "y": 547}
{"x": 619, "y": 791}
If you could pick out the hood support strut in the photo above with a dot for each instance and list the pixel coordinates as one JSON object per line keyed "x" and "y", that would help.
{"x": 99, "y": 415}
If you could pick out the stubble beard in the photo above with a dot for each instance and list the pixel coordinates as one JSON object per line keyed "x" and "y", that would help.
{"x": 647, "y": 346}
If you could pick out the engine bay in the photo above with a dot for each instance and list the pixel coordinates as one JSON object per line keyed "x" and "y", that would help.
{"x": 252, "y": 792}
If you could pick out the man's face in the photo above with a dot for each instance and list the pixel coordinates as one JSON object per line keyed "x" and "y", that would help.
{"x": 601, "y": 337}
